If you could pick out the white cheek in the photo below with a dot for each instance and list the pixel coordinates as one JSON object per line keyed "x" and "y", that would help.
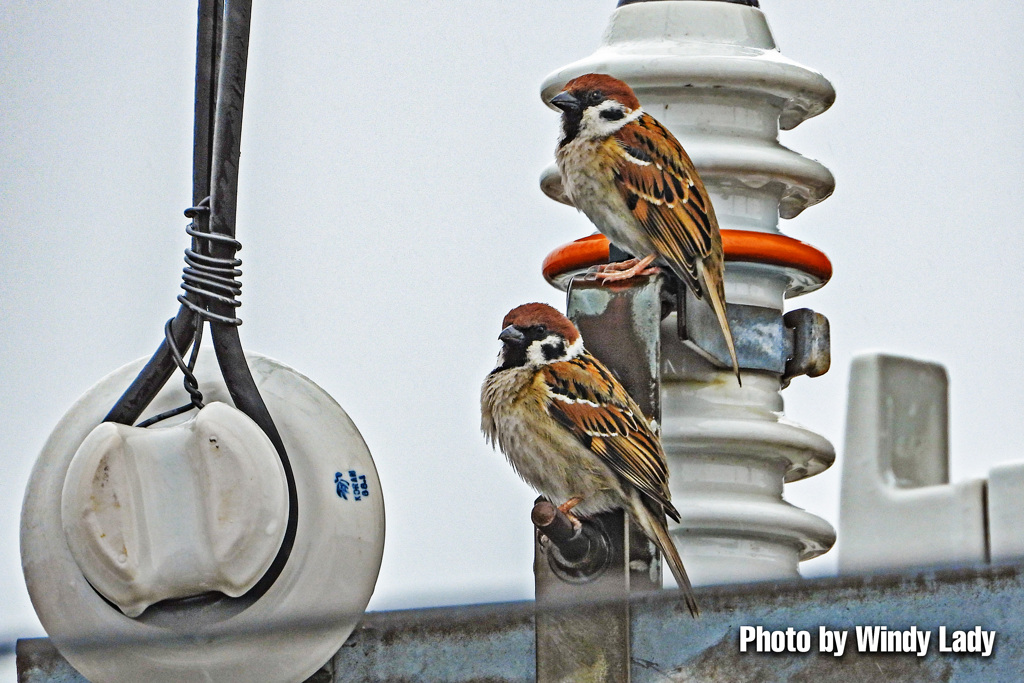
{"x": 594, "y": 125}
{"x": 501, "y": 357}
{"x": 535, "y": 353}
{"x": 575, "y": 349}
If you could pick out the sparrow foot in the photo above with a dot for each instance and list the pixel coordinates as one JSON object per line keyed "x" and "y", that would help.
{"x": 566, "y": 509}
{"x": 624, "y": 270}
{"x": 570, "y": 504}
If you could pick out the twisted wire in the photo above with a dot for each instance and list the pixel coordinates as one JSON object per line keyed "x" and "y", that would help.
{"x": 207, "y": 278}
{"x": 189, "y": 380}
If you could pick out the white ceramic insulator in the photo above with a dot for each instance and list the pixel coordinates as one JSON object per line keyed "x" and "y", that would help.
{"x": 284, "y": 634}
{"x": 171, "y": 512}
{"x": 729, "y": 451}
{"x": 711, "y": 73}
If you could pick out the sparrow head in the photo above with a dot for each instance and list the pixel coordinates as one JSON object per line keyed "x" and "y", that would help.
{"x": 595, "y": 106}
{"x": 535, "y": 335}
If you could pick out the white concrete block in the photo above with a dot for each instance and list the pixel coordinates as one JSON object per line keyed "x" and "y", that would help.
{"x": 897, "y": 507}
{"x": 1006, "y": 512}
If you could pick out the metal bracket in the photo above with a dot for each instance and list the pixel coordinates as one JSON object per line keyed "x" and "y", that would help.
{"x": 811, "y": 351}
{"x": 584, "y": 575}
{"x": 789, "y": 345}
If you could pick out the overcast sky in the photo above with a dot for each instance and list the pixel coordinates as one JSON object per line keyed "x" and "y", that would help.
{"x": 390, "y": 212}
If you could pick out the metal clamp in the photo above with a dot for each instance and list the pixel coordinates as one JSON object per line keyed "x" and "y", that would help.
{"x": 811, "y": 347}
{"x": 789, "y": 345}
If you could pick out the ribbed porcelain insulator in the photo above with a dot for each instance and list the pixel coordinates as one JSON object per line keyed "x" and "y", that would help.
{"x": 710, "y": 72}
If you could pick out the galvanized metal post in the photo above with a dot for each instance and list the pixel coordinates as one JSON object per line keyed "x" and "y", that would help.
{"x": 583, "y": 615}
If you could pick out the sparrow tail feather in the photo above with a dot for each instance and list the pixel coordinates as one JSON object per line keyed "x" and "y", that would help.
{"x": 659, "y": 534}
{"x": 716, "y": 296}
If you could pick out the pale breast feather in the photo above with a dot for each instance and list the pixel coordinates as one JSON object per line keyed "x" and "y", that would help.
{"x": 588, "y": 177}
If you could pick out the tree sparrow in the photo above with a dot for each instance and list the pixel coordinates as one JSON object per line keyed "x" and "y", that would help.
{"x": 572, "y": 432}
{"x": 634, "y": 181}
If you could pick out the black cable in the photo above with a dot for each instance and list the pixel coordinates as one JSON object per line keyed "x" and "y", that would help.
{"x": 226, "y": 146}
{"x": 210, "y": 276}
{"x": 151, "y": 379}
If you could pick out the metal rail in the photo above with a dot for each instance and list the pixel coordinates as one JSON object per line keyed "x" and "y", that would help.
{"x": 496, "y": 642}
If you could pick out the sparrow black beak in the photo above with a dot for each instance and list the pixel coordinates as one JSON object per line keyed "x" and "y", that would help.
{"x": 510, "y": 335}
{"x": 565, "y": 102}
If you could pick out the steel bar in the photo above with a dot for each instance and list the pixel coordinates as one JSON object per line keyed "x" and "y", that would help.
{"x": 619, "y": 323}
{"x": 495, "y": 642}
{"x": 582, "y": 620}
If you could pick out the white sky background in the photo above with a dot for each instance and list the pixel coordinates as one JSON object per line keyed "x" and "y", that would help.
{"x": 390, "y": 213}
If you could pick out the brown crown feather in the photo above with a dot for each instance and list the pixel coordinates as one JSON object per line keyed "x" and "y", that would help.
{"x": 529, "y": 315}
{"x": 610, "y": 87}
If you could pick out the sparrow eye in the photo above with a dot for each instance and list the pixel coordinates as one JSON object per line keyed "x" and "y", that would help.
{"x": 595, "y": 97}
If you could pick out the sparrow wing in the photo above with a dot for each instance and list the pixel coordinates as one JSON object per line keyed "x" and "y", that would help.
{"x": 662, "y": 189}
{"x": 588, "y": 401}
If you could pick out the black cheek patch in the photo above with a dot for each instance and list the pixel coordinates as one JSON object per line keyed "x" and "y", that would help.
{"x": 553, "y": 351}
{"x": 612, "y": 114}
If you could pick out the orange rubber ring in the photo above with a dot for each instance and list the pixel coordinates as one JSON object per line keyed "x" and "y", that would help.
{"x": 739, "y": 245}
{"x": 585, "y": 252}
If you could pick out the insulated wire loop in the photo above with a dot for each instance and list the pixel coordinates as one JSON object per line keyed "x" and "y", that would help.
{"x": 205, "y": 278}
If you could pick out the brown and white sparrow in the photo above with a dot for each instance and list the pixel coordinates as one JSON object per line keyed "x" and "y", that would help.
{"x": 572, "y": 432}
{"x": 635, "y": 182}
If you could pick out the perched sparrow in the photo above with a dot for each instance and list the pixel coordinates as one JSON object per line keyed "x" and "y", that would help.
{"x": 633, "y": 179}
{"x": 572, "y": 432}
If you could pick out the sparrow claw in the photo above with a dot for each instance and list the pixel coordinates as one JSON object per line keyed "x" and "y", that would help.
{"x": 566, "y": 509}
{"x": 617, "y": 266}
{"x": 576, "y": 523}
{"x": 570, "y": 504}
{"x": 624, "y": 270}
